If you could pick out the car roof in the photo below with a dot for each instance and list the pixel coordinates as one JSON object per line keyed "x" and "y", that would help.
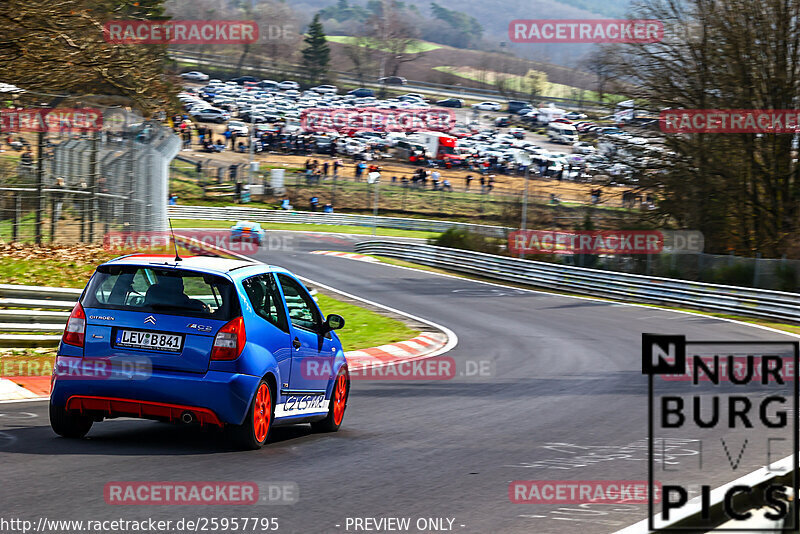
{"x": 206, "y": 264}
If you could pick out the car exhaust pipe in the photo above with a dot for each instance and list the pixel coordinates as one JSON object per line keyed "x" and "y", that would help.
{"x": 187, "y": 417}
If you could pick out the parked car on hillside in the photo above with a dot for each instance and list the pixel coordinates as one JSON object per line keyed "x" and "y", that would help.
{"x": 393, "y": 80}
{"x": 361, "y": 92}
{"x": 195, "y": 76}
{"x": 487, "y": 106}
{"x": 210, "y": 115}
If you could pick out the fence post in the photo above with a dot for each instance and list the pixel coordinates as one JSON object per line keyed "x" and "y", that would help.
{"x": 16, "y": 217}
{"x": 52, "y": 218}
{"x": 82, "y": 203}
{"x": 93, "y": 184}
{"x": 39, "y": 185}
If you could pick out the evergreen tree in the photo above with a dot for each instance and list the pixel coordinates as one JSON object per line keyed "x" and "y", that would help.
{"x": 317, "y": 53}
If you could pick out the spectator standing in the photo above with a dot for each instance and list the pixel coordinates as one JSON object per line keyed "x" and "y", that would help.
{"x": 360, "y": 167}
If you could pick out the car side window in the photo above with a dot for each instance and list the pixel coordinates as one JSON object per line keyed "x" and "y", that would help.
{"x": 262, "y": 291}
{"x": 303, "y": 311}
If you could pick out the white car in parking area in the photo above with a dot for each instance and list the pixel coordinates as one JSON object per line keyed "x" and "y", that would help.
{"x": 325, "y": 89}
{"x": 350, "y": 146}
{"x": 210, "y": 115}
{"x": 288, "y": 84}
{"x": 195, "y": 76}
{"x": 239, "y": 127}
{"x": 487, "y": 106}
{"x": 583, "y": 147}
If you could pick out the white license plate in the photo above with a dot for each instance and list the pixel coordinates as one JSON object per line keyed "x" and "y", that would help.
{"x": 138, "y": 339}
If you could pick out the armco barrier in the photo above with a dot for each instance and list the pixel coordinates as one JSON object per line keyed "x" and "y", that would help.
{"x": 236, "y": 213}
{"x": 34, "y": 309}
{"x": 43, "y": 310}
{"x": 732, "y": 300}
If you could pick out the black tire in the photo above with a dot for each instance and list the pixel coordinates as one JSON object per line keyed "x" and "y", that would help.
{"x": 250, "y": 435}
{"x": 334, "y": 419}
{"x": 68, "y": 425}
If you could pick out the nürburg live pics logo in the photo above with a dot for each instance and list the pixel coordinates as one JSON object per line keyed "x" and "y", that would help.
{"x": 736, "y": 402}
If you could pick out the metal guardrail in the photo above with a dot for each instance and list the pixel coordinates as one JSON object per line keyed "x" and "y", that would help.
{"x": 34, "y": 309}
{"x": 235, "y": 213}
{"x": 15, "y": 322}
{"x": 747, "y": 302}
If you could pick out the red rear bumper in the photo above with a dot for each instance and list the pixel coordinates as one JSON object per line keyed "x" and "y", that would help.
{"x": 115, "y": 407}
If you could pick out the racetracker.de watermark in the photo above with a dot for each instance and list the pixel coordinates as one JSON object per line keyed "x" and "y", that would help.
{"x": 200, "y": 242}
{"x": 78, "y": 368}
{"x": 202, "y": 493}
{"x": 776, "y": 121}
{"x": 51, "y": 120}
{"x": 586, "y": 31}
{"x": 581, "y": 491}
{"x": 604, "y": 242}
{"x": 377, "y": 120}
{"x": 436, "y": 368}
{"x": 181, "y": 32}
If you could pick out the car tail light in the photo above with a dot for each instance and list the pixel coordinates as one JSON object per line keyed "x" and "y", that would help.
{"x": 229, "y": 341}
{"x": 75, "y": 332}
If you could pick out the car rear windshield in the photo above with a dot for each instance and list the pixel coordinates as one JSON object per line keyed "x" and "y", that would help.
{"x": 168, "y": 291}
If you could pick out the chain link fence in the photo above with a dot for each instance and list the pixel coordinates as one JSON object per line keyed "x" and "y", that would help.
{"x": 69, "y": 187}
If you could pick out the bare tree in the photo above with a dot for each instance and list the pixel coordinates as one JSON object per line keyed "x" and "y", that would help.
{"x": 597, "y": 64}
{"x": 362, "y": 55}
{"x": 537, "y": 83}
{"x": 741, "y": 190}
{"x": 394, "y": 38}
{"x": 59, "y": 46}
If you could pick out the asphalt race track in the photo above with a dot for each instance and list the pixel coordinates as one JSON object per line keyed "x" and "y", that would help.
{"x": 564, "y": 371}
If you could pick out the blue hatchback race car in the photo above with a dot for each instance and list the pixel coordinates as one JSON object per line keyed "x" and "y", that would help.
{"x": 210, "y": 341}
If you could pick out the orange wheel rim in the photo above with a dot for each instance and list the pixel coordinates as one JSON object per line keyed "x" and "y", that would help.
{"x": 262, "y": 413}
{"x": 339, "y": 398}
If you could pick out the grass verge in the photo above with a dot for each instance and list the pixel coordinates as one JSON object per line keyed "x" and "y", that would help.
{"x": 364, "y": 328}
{"x": 413, "y": 48}
{"x": 332, "y": 228}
